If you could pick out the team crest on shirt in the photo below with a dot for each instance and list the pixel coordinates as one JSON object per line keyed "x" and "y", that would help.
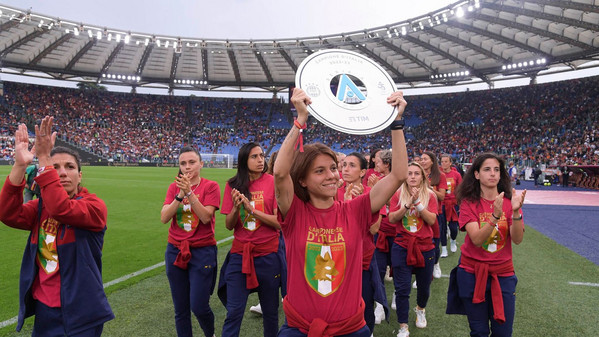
{"x": 186, "y": 219}
{"x": 250, "y": 222}
{"x": 412, "y": 222}
{"x": 496, "y": 241}
{"x": 450, "y": 183}
{"x": 47, "y": 254}
{"x": 325, "y": 261}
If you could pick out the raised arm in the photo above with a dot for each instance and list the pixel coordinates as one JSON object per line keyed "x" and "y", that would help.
{"x": 383, "y": 191}
{"x": 283, "y": 183}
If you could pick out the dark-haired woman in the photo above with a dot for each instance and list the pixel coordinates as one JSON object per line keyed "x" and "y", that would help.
{"x": 371, "y": 170}
{"x": 190, "y": 255}
{"x": 61, "y": 272}
{"x": 354, "y": 168}
{"x": 254, "y": 262}
{"x": 386, "y": 233}
{"x": 324, "y": 237}
{"x": 438, "y": 182}
{"x": 490, "y": 213}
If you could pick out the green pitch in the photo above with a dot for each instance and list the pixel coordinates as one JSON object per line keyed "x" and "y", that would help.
{"x": 135, "y": 238}
{"x": 546, "y": 303}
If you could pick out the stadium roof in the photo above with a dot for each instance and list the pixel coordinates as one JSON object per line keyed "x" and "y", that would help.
{"x": 465, "y": 41}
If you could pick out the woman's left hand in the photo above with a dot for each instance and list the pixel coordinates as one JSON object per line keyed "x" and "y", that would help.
{"x": 183, "y": 183}
{"x": 517, "y": 200}
{"x": 396, "y": 99}
{"x": 44, "y": 140}
{"x": 352, "y": 191}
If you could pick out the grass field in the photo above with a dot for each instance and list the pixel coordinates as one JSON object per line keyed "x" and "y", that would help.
{"x": 547, "y": 304}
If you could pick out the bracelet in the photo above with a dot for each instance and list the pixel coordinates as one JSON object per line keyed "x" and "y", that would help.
{"x": 43, "y": 168}
{"x": 178, "y": 199}
{"x": 519, "y": 218}
{"x": 300, "y": 139}
{"x": 420, "y": 207}
{"x": 496, "y": 218}
{"x": 406, "y": 206}
{"x": 397, "y": 124}
{"x": 188, "y": 194}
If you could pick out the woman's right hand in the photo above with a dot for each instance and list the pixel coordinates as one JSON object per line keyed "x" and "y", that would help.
{"x": 498, "y": 205}
{"x": 184, "y": 184}
{"x": 414, "y": 192}
{"x": 238, "y": 198}
{"x": 23, "y": 156}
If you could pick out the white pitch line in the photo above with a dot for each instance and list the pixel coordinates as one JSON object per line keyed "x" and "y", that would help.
{"x": 588, "y": 284}
{"x": 117, "y": 281}
{"x": 8, "y": 322}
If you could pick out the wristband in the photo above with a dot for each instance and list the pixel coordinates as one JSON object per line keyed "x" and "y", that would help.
{"x": 519, "y": 218}
{"x": 188, "y": 194}
{"x": 397, "y": 124}
{"x": 300, "y": 139}
{"x": 406, "y": 206}
{"x": 495, "y": 217}
{"x": 420, "y": 207}
{"x": 416, "y": 202}
{"x": 178, "y": 199}
{"x": 44, "y": 168}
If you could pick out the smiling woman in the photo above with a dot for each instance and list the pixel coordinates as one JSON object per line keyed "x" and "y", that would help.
{"x": 324, "y": 237}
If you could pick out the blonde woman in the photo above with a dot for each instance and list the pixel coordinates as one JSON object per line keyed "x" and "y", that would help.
{"x": 414, "y": 209}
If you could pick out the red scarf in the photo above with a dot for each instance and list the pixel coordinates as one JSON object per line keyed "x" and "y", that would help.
{"x": 320, "y": 328}
{"x": 481, "y": 273}
{"x": 184, "y": 255}
{"x": 248, "y": 251}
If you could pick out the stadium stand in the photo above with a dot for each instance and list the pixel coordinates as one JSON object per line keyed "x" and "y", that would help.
{"x": 552, "y": 124}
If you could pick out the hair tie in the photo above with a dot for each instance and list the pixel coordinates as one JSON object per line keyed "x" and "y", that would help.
{"x": 300, "y": 139}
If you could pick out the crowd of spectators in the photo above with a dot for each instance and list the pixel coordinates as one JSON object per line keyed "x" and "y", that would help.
{"x": 553, "y": 124}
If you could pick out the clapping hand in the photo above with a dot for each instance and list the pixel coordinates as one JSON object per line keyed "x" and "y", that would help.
{"x": 517, "y": 200}
{"x": 44, "y": 140}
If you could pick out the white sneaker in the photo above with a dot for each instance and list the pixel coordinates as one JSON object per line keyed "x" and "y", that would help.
{"x": 454, "y": 246}
{"x": 403, "y": 332}
{"x": 393, "y": 306}
{"x": 444, "y": 251}
{"x": 415, "y": 285}
{"x": 388, "y": 277}
{"x": 420, "y": 318}
{"x": 379, "y": 314}
{"x": 256, "y": 309}
{"x": 437, "y": 271}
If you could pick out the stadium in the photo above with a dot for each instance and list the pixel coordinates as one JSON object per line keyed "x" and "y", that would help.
{"x": 129, "y": 139}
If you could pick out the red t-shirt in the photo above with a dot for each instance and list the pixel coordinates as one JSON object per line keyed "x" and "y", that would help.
{"x": 498, "y": 248}
{"x": 453, "y": 180}
{"x": 186, "y": 224}
{"x": 324, "y": 257}
{"x": 442, "y": 185}
{"x": 368, "y": 241}
{"x": 263, "y": 199}
{"x": 412, "y": 225}
{"x": 370, "y": 172}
